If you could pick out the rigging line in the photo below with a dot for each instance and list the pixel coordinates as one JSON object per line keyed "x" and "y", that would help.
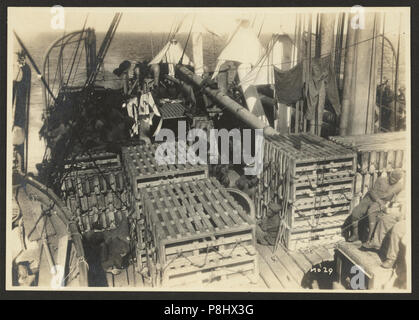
{"x": 68, "y": 65}
{"x": 231, "y": 37}
{"x": 261, "y": 26}
{"x": 77, "y": 48}
{"x": 371, "y": 74}
{"x": 58, "y": 68}
{"x": 34, "y": 66}
{"x": 381, "y": 67}
{"x": 187, "y": 40}
{"x": 172, "y": 27}
{"x": 178, "y": 27}
{"x": 324, "y": 54}
{"x": 103, "y": 49}
{"x": 77, "y": 66}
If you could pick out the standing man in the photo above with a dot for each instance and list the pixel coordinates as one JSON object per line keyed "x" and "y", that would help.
{"x": 383, "y": 191}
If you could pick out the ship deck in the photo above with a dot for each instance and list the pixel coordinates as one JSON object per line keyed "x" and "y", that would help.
{"x": 281, "y": 270}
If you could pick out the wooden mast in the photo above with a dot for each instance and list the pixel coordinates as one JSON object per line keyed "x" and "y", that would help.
{"x": 348, "y": 76}
{"x": 327, "y": 27}
{"x": 363, "y": 95}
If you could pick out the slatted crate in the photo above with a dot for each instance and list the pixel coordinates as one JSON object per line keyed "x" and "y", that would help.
{"x": 201, "y": 234}
{"x": 313, "y": 179}
{"x": 90, "y": 162}
{"x": 378, "y": 154}
{"x": 143, "y": 169}
{"x": 141, "y": 236}
{"x": 95, "y": 191}
{"x": 172, "y": 110}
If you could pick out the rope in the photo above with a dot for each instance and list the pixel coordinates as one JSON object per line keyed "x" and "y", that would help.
{"x": 187, "y": 40}
{"x": 208, "y": 250}
{"x": 77, "y": 49}
{"x": 292, "y": 61}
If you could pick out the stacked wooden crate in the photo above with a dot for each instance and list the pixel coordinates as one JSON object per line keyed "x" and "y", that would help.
{"x": 143, "y": 170}
{"x": 313, "y": 179}
{"x": 94, "y": 189}
{"x": 172, "y": 110}
{"x": 377, "y": 154}
{"x": 200, "y": 234}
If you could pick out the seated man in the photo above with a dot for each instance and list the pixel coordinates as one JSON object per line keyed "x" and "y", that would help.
{"x": 383, "y": 191}
{"x": 386, "y": 219}
{"x": 267, "y": 228}
{"x": 113, "y": 246}
{"x": 247, "y": 184}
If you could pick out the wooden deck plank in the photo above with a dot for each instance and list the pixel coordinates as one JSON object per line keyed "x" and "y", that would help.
{"x": 293, "y": 268}
{"x": 268, "y": 276}
{"x": 324, "y": 253}
{"x": 300, "y": 260}
{"x": 277, "y": 267}
{"x": 312, "y": 256}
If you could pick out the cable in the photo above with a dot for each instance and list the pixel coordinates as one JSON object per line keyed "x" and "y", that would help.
{"x": 291, "y": 61}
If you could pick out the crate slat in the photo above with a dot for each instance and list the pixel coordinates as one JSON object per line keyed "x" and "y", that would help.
{"x": 318, "y": 178}
{"x": 196, "y": 229}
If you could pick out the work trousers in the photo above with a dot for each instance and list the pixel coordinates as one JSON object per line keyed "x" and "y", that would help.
{"x": 397, "y": 233}
{"x": 384, "y": 223}
{"x": 365, "y": 206}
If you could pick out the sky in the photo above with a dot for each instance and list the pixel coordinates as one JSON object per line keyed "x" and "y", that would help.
{"x": 219, "y": 20}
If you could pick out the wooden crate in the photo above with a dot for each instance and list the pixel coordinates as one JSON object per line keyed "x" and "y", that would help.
{"x": 143, "y": 169}
{"x": 368, "y": 265}
{"x": 96, "y": 192}
{"x": 142, "y": 242}
{"x": 201, "y": 234}
{"x": 172, "y": 110}
{"x": 90, "y": 162}
{"x": 313, "y": 179}
{"x": 378, "y": 154}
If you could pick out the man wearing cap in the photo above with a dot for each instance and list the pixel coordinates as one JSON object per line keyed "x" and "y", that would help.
{"x": 393, "y": 212}
{"x": 375, "y": 200}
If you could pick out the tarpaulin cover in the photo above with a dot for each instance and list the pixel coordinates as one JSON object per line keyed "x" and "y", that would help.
{"x": 243, "y": 47}
{"x": 171, "y": 53}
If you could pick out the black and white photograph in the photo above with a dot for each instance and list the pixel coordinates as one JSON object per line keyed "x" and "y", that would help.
{"x": 243, "y": 149}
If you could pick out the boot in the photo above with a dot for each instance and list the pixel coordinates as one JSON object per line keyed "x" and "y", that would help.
{"x": 371, "y": 230}
{"x": 355, "y": 236}
{"x": 370, "y": 246}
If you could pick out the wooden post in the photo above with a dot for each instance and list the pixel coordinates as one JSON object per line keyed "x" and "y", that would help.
{"x": 347, "y": 77}
{"x": 363, "y": 94}
{"x": 327, "y": 24}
